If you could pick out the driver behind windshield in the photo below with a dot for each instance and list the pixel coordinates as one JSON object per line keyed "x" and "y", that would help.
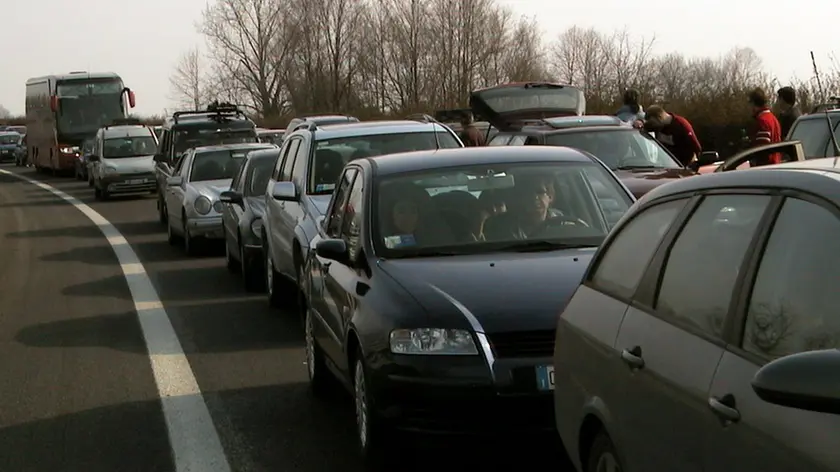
{"x": 528, "y": 210}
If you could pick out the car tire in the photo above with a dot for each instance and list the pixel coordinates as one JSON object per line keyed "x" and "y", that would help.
{"x": 163, "y": 217}
{"x": 190, "y": 246}
{"x": 252, "y": 277}
{"x": 319, "y": 376}
{"x": 602, "y": 455}
{"x": 97, "y": 193}
{"x": 371, "y": 431}
{"x": 171, "y": 237}
{"x": 273, "y": 284}
{"x": 90, "y": 181}
{"x": 231, "y": 263}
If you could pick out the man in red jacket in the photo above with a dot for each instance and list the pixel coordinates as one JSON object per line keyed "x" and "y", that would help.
{"x": 767, "y": 129}
{"x": 674, "y": 132}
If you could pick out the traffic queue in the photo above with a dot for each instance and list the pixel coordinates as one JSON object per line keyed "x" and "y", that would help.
{"x": 545, "y": 283}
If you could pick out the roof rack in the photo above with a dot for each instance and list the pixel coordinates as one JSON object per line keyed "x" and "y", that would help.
{"x": 216, "y": 111}
{"x": 124, "y": 122}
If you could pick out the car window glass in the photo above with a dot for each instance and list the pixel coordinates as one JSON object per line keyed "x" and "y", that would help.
{"x": 237, "y": 178}
{"x": 795, "y": 299}
{"x": 518, "y": 140}
{"x": 619, "y": 147}
{"x": 531, "y": 141}
{"x": 813, "y": 133}
{"x": 302, "y": 160}
{"x": 499, "y": 140}
{"x": 621, "y": 268}
{"x": 704, "y": 261}
{"x": 352, "y": 222}
{"x": 179, "y": 162}
{"x": 337, "y": 212}
{"x": 286, "y": 173}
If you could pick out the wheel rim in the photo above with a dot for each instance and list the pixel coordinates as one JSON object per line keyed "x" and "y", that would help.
{"x": 607, "y": 463}
{"x": 269, "y": 273}
{"x": 310, "y": 347}
{"x": 360, "y": 390}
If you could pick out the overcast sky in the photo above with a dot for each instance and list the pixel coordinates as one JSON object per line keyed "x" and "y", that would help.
{"x": 141, "y": 41}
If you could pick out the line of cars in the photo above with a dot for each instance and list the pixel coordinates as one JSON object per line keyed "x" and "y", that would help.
{"x": 13, "y": 144}
{"x": 429, "y": 279}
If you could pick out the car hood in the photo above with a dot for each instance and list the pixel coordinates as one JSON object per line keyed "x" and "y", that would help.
{"x": 640, "y": 182}
{"x": 505, "y": 106}
{"x": 257, "y": 205}
{"x": 503, "y": 291}
{"x": 212, "y": 188}
{"x": 320, "y": 203}
{"x": 132, "y": 164}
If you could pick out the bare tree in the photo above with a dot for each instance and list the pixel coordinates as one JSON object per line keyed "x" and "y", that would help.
{"x": 189, "y": 80}
{"x": 4, "y": 113}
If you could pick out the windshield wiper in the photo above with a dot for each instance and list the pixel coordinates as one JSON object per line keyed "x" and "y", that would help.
{"x": 637, "y": 167}
{"x": 408, "y": 254}
{"x": 540, "y": 245}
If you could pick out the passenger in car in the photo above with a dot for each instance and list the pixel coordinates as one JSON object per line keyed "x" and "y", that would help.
{"x": 529, "y": 210}
{"x": 409, "y": 219}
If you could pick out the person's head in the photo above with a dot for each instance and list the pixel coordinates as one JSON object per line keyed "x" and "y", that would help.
{"x": 467, "y": 119}
{"x": 786, "y": 97}
{"x": 758, "y": 99}
{"x": 535, "y": 194}
{"x": 631, "y": 99}
{"x": 656, "y": 117}
{"x": 405, "y": 215}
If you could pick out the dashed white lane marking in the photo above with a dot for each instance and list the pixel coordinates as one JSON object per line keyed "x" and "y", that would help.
{"x": 192, "y": 435}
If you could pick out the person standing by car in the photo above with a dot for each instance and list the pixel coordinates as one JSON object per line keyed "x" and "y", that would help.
{"x": 788, "y": 110}
{"x": 470, "y": 135}
{"x": 631, "y": 112}
{"x": 767, "y": 129}
{"x": 674, "y": 132}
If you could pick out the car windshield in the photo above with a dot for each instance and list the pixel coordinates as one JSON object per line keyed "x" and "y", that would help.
{"x": 191, "y": 138}
{"x": 813, "y": 133}
{"x": 10, "y": 138}
{"x": 331, "y": 155}
{"x": 509, "y": 207}
{"x": 259, "y": 173}
{"x": 129, "y": 146}
{"x": 216, "y": 165}
{"x": 618, "y": 148}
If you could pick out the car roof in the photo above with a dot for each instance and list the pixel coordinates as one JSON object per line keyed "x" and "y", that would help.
{"x": 562, "y": 124}
{"x": 816, "y": 176}
{"x": 10, "y": 132}
{"x": 239, "y": 146}
{"x": 483, "y": 155}
{"x": 820, "y": 115}
{"x": 368, "y": 128}
{"x": 126, "y": 130}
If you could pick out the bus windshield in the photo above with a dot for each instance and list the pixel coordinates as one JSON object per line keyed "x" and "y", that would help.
{"x": 87, "y": 105}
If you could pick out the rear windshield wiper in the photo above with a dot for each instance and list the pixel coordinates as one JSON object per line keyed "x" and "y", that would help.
{"x": 541, "y": 245}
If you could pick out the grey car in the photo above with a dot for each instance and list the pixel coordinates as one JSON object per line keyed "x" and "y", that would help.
{"x": 243, "y": 208}
{"x": 122, "y": 161}
{"x": 694, "y": 340}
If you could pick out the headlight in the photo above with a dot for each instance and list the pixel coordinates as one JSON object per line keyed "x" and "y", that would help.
{"x": 256, "y": 227}
{"x": 68, "y": 149}
{"x": 217, "y": 205}
{"x": 202, "y": 205}
{"x": 433, "y": 341}
{"x": 110, "y": 170}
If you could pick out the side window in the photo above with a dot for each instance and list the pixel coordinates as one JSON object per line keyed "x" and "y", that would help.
{"x": 236, "y": 184}
{"x": 339, "y": 197}
{"x": 351, "y": 225}
{"x": 621, "y": 268}
{"x": 179, "y": 165}
{"x": 793, "y": 306}
{"x": 499, "y": 140}
{"x": 703, "y": 263}
{"x": 289, "y": 162}
{"x": 302, "y": 160}
{"x": 531, "y": 141}
{"x": 518, "y": 140}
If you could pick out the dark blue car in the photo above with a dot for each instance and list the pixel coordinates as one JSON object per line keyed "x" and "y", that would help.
{"x": 10, "y": 146}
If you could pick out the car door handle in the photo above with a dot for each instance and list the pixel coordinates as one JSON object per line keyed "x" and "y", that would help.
{"x": 724, "y": 408}
{"x": 633, "y": 357}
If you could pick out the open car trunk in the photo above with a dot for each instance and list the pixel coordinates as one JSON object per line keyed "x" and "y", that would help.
{"x": 508, "y": 106}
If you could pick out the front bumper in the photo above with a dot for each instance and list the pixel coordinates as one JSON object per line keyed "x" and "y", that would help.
{"x": 209, "y": 227}
{"x": 8, "y": 155}
{"x": 128, "y": 183}
{"x": 459, "y": 395}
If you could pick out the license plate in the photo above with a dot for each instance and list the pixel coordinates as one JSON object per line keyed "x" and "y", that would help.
{"x": 545, "y": 377}
{"x": 136, "y": 181}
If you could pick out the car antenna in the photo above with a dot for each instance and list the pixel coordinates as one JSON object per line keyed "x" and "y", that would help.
{"x": 836, "y": 100}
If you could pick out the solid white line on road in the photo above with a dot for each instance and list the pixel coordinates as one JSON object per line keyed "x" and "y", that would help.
{"x": 192, "y": 435}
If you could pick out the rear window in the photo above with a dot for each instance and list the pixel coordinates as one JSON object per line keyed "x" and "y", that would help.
{"x": 217, "y": 165}
{"x": 210, "y": 136}
{"x": 814, "y": 136}
{"x": 331, "y": 155}
{"x": 617, "y": 148}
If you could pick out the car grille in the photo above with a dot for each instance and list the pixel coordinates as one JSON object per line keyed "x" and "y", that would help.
{"x": 523, "y": 344}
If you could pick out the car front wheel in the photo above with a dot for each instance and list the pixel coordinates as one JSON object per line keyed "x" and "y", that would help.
{"x": 371, "y": 430}
{"x": 602, "y": 455}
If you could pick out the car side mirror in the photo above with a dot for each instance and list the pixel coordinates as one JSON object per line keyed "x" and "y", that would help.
{"x": 174, "y": 181}
{"x": 284, "y": 191}
{"x": 805, "y": 381}
{"x": 229, "y": 196}
{"x": 160, "y": 158}
{"x": 707, "y": 158}
{"x": 93, "y": 158}
{"x": 333, "y": 249}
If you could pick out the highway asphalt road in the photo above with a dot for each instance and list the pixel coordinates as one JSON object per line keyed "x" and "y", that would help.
{"x": 77, "y": 391}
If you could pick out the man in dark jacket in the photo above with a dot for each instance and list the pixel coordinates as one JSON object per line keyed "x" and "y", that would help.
{"x": 788, "y": 110}
{"x": 674, "y": 132}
